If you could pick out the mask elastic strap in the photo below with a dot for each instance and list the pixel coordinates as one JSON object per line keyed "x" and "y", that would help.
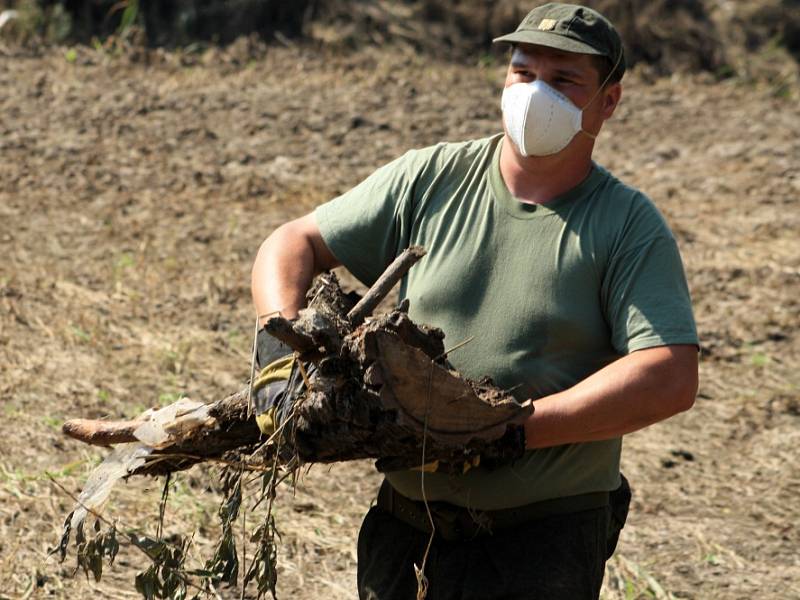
{"x": 602, "y": 85}
{"x": 606, "y": 80}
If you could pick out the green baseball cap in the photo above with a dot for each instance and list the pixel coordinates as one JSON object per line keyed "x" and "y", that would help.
{"x": 571, "y": 28}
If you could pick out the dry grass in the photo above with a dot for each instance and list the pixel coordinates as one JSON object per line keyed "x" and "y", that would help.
{"x": 133, "y": 199}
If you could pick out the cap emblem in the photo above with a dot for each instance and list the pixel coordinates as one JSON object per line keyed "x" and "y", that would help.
{"x": 547, "y": 24}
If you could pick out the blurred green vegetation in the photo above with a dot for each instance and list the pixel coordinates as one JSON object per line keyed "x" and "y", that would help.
{"x": 162, "y": 22}
{"x": 665, "y": 35}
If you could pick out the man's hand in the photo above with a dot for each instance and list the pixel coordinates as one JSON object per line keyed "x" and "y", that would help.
{"x": 274, "y": 361}
{"x": 633, "y": 392}
{"x": 269, "y": 394}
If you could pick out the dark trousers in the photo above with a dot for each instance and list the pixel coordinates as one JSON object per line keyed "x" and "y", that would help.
{"x": 560, "y": 557}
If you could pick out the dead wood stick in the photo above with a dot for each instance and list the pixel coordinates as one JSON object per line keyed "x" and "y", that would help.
{"x": 226, "y": 414}
{"x": 379, "y": 290}
{"x": 282, "y": 329}
{"x": 101, "y": 433}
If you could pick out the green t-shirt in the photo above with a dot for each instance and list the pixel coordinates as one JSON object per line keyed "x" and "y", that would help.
{"x": 548, "y": 293}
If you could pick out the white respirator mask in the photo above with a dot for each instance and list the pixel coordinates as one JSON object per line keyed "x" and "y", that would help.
{"x": 539, "y": 119}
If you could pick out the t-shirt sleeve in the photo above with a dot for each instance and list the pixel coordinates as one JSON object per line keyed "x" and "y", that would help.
{"x": 646, "y": 296}
{"x": 368, "y": 226}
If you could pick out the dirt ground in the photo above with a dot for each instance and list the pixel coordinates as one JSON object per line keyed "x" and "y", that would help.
{"x": 133, "y": 198}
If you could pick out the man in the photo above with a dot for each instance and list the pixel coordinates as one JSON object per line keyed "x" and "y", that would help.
{"x": 571, "y": 287}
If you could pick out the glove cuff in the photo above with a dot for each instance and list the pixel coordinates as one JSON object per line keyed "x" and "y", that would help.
{"x": 269, "y": 349}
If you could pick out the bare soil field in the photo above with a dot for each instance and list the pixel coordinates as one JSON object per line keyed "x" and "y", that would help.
{"x": 134, "y": 194}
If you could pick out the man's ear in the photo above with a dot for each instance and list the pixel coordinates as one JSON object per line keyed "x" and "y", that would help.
{"x": 611, "y": 97}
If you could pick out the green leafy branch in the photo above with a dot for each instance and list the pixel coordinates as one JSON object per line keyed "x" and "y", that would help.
{"x": 167, "y": 576}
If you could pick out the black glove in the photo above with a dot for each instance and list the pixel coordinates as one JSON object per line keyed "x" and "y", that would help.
{"x": 276, "y": 366}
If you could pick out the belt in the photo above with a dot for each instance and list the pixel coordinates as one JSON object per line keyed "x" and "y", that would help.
{"x": 456, "y": 523}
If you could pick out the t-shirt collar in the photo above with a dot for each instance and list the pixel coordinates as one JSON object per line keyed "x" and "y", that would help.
{"x": 524, "y": 210}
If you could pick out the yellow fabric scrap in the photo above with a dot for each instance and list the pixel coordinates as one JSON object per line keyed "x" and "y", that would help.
{"x": 430, "y": 467}
{"x": 278, "y": 370}
{"x": 433, "y": 466}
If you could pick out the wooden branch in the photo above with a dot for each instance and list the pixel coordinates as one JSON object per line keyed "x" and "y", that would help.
{"x": 374, "y": 392}
{"x": 101, "y": 433}
{"x": 222, "y": 425}
{"x": 282, "y": 329}
{"x": 311, "y": 330}
{"x": 379, "y": 390}
{"x": 381, "y": 288}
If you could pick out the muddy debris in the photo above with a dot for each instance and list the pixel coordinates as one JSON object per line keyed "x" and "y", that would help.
{"x": 377, "y": 388}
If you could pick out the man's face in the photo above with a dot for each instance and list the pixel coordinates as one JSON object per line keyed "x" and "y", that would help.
{"x": 574, "y": 75}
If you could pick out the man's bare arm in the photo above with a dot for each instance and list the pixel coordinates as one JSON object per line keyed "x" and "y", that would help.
{"x": 637, "y": 390}
{"x": 286, "y": 263}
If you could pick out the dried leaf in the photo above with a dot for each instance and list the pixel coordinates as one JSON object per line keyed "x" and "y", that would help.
{"x": 147, "y": 583}
{"x": 152, "y": 547}
{"x": 63, "y": 543}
